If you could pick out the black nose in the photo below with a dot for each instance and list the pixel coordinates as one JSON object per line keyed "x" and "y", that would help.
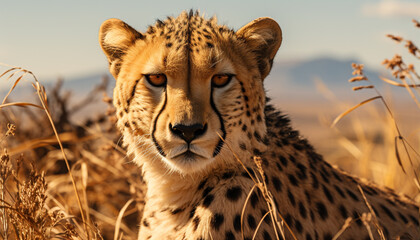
{"x": 188, "y": 132}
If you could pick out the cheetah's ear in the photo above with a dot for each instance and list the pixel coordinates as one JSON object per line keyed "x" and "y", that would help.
{"x": 263, "y": 36}
{"x": 115, "y": 37}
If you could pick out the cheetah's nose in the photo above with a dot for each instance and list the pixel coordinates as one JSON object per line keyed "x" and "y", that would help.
{"x": 188, "y": 132}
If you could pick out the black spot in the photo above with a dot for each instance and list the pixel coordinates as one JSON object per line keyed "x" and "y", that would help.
{"x": 283, "y": 160}
{"x": 267, "y": 218}
{"x": 207, "y": 191}
{"x": 308, "y": 236}
{"x": 302, "y": 171}
{"x": 335, "y": 174}
{"x": 244, "y": 127}
{"x": 292, "y": 158}
{"x": 168, "y": 45}
{"x": 343, "y": 211}
{"x": 337, "y": 189}
{"x": 388, "y": 212}
{"x": 277, "y": 183}
{"x": 375, "y": 211}
{"x": 217, "y": 221}
{"x": 234, "y": 193}
{"x": 293, "y": 180}
{"x": 257, "y": 152}
{"x": 279, "y": 167}
{"x": 357, "y": 218}
{"x": 229, "y": 236}
{"x": 251, "y": 222}
{"x": 291, "y": 198}
{"x": 208, "y": 200}
{"x": 403, "y": 218}
{"x": 386, "y": 233}
{"x": 254, "y": 199}
{"x": 257, "y": 136}
{"x": 312, "y": 215}
{"x": 245, "y": 174}
{"x": 327, "y": 236}
{"x": 302, "y": 210}
{"x": 322, "y": 210}
{"x": 266, "y": 235}
{"x": 202, "y": 183}
{"x": 414, "y": 219}
{"x": 145, "y": 223}
{"x": 242, "y": 146}
{"x": 328, "y": 194}
{"x": 315, "y": 182}
{"x": 237, "y": 223}
{"x": 192, "y": 212}
{"x": 352, "y": 195}
{"x": 227, "y": 175}
{"x": 298, "y": 146}
{"x": 177, "y": 210}
{"x": 308, "y": 197}
{"x": 390, "y": 202}
{"x": 298, "y": 226}
{"x": 196, "y": 221}
{"x": 370, "y": 190}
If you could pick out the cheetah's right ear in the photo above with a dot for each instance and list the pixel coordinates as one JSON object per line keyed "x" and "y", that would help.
{"x": 263, "y": 36}
{"x": 115, "y": 37}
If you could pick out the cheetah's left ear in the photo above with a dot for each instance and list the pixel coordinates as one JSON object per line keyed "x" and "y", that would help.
{"x": 263, "y": 36}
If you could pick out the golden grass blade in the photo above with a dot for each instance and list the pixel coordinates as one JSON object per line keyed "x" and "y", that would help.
{"x": 411, "y": 93}
{"x": 9, "y": 70}
{"x": 13, "y": 87}
{"x": 397, "y": 153}
{"x": 119, "y": 218}
{"x": 375, "y": 219}
{"x": 351, "y": 109}
{"x": 343, "y": 228}
{"x": 244, "y": 207}
{"x": 41, "y": 94}
{"x": 362, "y": 87}
{"x": 259, "y": 224}
{"x": 237, "y": 158}
{"x": 398, "y": 84}
{"x": 20, "y": 104}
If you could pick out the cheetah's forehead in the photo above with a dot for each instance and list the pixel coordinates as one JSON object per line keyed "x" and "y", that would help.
{"x": 193, "y": 40}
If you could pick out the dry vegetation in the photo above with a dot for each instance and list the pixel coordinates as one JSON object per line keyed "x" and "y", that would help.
{"x": 62, "y": 180}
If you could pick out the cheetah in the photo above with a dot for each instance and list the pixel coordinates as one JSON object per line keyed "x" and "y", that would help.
{"x": 190, "y": 102}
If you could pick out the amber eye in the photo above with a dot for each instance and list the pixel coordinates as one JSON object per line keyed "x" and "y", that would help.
{"x": 221, "y": 80}
{"x": 156, "y": 80}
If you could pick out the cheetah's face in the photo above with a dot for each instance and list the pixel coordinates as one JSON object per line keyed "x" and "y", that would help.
{"x": 187, "y": 83}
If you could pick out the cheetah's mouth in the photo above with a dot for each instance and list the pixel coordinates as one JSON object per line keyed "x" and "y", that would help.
{"x": 189, "y": 154}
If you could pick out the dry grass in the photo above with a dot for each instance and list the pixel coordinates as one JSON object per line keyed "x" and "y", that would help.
{"x": 63, "y": 180}
{"x": 60, "y": 179}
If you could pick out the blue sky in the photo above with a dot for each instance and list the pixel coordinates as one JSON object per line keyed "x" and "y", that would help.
{"x": 59, "y": 38}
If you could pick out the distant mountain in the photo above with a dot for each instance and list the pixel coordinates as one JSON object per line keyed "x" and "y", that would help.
{"x": 287, "y": 79}
{"x": 298, "y": 78}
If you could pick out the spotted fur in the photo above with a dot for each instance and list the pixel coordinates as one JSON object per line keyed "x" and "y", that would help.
{"x": 196, "y": 187}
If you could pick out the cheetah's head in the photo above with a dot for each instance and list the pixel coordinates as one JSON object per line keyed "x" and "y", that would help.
{"x": 188, "y": 82}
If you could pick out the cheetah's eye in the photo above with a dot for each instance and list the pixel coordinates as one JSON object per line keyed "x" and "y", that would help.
{"x": 221, "y": 80}
{"x": 156, "y": 80}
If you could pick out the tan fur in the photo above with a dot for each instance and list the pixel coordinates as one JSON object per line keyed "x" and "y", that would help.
{"x": 201, "y": 196}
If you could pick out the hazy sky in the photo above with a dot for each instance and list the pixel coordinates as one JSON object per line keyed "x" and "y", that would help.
{"x": 59, "y": 38}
